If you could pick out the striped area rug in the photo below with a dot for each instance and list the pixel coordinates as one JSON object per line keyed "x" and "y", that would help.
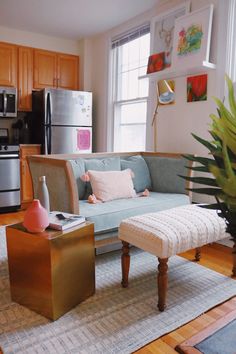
{"x": 114, "y": 320}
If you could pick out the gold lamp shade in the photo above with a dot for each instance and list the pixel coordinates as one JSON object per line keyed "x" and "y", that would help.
{"x": 165, "y": 95}
{"x": 165, "y": 92}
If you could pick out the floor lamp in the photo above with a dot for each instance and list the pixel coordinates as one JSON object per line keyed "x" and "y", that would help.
{"x": 165, "y": 95}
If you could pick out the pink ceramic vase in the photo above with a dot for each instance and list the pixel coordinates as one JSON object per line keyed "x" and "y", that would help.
{"x": 36, "y": 217}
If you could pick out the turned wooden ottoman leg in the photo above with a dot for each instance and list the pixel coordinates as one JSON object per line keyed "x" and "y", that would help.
{"x": 162, "y": 282}
{"x": 198, "y": 254}
{"x": 234, "y": 259}
{"x": 125, "y": 263}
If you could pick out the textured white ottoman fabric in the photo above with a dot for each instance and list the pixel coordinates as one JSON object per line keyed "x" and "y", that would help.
{"x": 173, "y": 231}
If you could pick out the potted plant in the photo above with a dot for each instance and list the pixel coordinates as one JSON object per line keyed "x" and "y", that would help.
{"x": 221, "y": 163}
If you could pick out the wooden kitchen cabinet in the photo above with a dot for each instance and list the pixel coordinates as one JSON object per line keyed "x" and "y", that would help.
{"x": 68, "y": 71}
{"x": 25, "y": 78}
{"x": 55, "y": 70}
{"x": 8, "y": 64}
{"x": 45, "y": 69}
{"x": 26, "y": 181}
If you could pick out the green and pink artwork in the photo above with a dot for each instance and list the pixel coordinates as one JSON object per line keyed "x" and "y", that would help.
{"x": 190, "y": 40}
{"x": 197, "y": 88}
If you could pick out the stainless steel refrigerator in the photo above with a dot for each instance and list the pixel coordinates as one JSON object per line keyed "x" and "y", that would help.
{"x": 62, "y": 121}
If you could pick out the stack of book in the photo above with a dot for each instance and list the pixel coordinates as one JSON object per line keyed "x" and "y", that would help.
{"x": 61, "y": 221}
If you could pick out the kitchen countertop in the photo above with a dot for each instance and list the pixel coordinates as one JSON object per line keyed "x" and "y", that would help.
{"x": 23, "y": 145}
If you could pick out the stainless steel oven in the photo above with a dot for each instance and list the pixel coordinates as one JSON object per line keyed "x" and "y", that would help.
{"x": 8, "y": 102}
{"x": 9, "y": 177}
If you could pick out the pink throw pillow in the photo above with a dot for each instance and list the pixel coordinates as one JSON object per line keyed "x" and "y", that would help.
{"x": 110, "y": 185}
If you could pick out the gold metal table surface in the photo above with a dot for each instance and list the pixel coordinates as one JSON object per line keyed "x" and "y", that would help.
{"x": 52, "y": 271}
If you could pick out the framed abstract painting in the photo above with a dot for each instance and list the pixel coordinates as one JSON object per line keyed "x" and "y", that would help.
{"x": 197, "y": 88}
{"x": 162, "y": 31}
{"x": 192, "y": 38}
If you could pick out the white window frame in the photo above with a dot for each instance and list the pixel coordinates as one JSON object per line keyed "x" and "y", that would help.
{"x": 115, "y": 123}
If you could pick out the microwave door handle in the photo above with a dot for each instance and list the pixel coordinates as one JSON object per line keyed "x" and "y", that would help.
{"x": 4, "y": 103}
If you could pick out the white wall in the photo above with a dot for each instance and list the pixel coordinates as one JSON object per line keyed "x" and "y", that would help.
{"x": 176, "y": 122}
{"x": 40, "y": 41}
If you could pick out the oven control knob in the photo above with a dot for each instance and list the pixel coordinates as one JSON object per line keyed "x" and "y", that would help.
{"x": 6, "y": 147}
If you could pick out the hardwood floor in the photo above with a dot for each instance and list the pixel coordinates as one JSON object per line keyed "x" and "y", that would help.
{"x": 215, "y": 257}
{"x": 12, "y": 218}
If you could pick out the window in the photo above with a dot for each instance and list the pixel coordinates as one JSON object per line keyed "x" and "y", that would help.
{"x": 231, "y": 41}
{"x": 130, "y": 56}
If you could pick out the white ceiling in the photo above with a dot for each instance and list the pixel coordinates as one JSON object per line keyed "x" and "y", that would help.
{"x": 72, "y": 19}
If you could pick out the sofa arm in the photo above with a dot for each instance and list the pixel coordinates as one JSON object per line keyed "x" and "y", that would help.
{"x": 63, "y": 192}
{"x": 165, "y": 169}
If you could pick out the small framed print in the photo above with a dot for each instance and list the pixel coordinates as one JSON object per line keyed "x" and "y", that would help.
{"x": 192, "y": 38}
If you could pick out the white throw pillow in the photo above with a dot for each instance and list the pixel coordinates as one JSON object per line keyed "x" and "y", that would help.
{"x": 110, "y": 185}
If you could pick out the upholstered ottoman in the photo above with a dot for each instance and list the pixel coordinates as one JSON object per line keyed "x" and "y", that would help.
{"x": 167, "y": 233}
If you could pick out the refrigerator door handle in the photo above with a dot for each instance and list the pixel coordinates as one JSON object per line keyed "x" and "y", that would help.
{"x": 48, "y": 124}
{"x": 49, "y": 110}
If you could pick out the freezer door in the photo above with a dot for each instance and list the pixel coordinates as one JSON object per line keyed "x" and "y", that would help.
{"x": 68, "y": 140}
{"x": 69, "y": 107}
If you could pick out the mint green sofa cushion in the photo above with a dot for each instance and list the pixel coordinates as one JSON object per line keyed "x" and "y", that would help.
{"x": 78, "y": 168}
{"x": 164, "y": 173}
{"x": 137, "y": 164}
{"x": 108, "y": 216}
{"x": 107, "y": 164}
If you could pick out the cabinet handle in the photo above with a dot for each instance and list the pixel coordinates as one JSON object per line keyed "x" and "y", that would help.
{"x": 58, "y": 82}
{"x": 19, "y": 97}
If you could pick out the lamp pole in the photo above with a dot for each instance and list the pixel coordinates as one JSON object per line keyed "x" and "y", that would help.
{"x": 154, "y": 125}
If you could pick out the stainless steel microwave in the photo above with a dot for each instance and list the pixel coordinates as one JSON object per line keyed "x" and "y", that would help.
{"x": 8, "y": 102}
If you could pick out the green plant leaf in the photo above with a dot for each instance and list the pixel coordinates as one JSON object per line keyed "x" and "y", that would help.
{"x": 208, "y": 191}
{"x": 215, "y": 206}
{"x": 202, "y": 160}
{"x": 198, "y": 168}
{"x": 201, "y": 180}
{"x": 206, "y": 143}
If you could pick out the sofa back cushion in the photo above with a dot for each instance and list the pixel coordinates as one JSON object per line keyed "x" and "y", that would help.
{"x": 138, "y": 165}
{"x": 102, "y": 164}
{"x": 110, "y": 185}
{"x": 78, "y": 167}
{"x": 164, "y": 173}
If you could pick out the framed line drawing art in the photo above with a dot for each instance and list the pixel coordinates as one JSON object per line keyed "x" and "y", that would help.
{"x": 192, "y": 38}
{"x": 162, "y": 31}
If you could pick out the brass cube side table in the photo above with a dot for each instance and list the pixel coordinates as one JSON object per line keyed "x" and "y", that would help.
{"x": 53, "y": 271}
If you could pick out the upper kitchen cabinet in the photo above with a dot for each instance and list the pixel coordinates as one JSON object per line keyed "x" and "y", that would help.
{"x": 8, "y": 64}
{"x": 55, "y": 70}
{"x": 68, "y": 71}
{"x": 45, "y": 69}
{"x": 25, "y": 78}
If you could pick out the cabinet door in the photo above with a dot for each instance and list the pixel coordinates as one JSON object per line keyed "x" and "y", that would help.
{"x": 68, "y": 69}
{"x": 45, "y": 69}
{"x": 26, "y": 181}
{"x": 25, "y": 78}
{"x": 8, "y": 64}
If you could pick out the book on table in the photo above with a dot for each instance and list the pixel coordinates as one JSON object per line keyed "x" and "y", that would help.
{"x": 62, "y": 221}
